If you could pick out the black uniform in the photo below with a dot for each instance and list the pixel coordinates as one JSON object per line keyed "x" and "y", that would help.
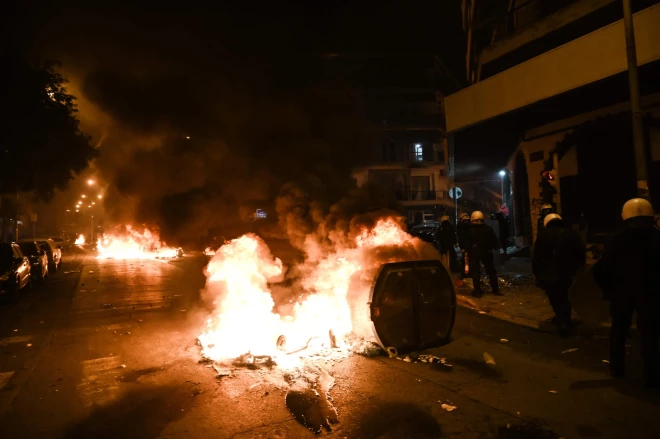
{"x": 503, "y": 221}
{"x": 446, "y": 236}
{"x": 558, "y": 254}
{"x": 629, "y": 275}
{"x": 463, "y": 233}
{"x": 482, "y": 243}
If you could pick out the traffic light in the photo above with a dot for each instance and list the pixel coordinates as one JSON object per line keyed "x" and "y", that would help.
{"x": 550, "y": 177}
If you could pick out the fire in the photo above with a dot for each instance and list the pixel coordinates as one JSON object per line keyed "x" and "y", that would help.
{"x": 133, "y": 244}
{"x": 208, "y": 251}
{"x": 244, "y": 320}
{"x": 80, "y": 240}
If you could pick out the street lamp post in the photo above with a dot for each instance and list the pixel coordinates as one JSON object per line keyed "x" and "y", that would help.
{"x": 502, "y": 174}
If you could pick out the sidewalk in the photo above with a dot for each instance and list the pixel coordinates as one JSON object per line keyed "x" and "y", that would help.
{"x": 522, "y": 302}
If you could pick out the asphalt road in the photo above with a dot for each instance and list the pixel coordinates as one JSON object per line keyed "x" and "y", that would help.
{"x": 106, "y": 349}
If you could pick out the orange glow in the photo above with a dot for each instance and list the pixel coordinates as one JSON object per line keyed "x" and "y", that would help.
{"x": 80, "y": 240}
{"x": 133, "y": 244}
{"x": 244, "y": 321}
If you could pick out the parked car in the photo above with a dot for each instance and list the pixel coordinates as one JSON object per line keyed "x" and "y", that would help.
{"x": 60, "y": 243}
{"x": 426, "y": 232}
{"x": 38, "y": 259}
{"x": 54, "y": 253}
{"x": 14, "y": 268}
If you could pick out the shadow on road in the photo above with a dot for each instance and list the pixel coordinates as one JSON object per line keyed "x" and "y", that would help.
{"x": 389, "y": 420}
{"x": 142, "y": 413}
{"x": 629, "y": 388}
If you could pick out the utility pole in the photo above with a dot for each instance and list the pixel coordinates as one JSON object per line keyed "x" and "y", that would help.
{"x": 635, "y": 107}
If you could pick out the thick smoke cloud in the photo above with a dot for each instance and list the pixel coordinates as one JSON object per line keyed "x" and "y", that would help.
{"x": 202, "y": 127}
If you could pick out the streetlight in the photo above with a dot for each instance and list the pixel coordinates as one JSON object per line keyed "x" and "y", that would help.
{"x": 502, "y": 174}
{"x": 84, "y": 196}
{"x": 90, "y": 182}
{"x": 93, "y": 202}
{"x": 100, "y": 196}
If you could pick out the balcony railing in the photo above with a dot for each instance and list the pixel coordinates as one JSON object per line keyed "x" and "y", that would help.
{"x": 426, "y": 195}
{"x": 410, "y": 156}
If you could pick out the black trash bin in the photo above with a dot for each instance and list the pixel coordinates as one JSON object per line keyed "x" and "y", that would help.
{"x": 412, "y": 305}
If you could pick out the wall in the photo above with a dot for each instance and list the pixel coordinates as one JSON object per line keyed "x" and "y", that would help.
{"x": 544, "y": 139}
{"x": 585, "y": 60}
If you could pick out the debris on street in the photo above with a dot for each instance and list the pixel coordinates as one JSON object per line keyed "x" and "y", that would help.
{"x": 554, "y": 392}
{"x": 569, "y": 350}
{"x": 504, "y": 340}
{"x": 489, "y": 359}
{"x": 448, "y": 407}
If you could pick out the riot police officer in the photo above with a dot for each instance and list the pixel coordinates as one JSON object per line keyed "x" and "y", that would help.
{"x": 629, "y": 276}
{"x": 482, "y": 243}
{"x": 546, "y": 210}
{"x": 558, "y": 254}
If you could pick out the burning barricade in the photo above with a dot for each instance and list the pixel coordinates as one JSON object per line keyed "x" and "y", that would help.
{"x": 129, "y": 243}
{"x": 364, "y": 292}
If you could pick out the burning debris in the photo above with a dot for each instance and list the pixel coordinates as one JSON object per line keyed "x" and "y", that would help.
{"x": 80, "y": 240}
{"x": 294, "y": 343}
{"x": 133, "y": 244}
{"x": 317, "y": 324}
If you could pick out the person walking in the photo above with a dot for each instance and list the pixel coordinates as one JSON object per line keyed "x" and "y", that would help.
{"x": 629, "y": 275}
{"x": 558, "y": 254}
{"x": 482, "y": 243}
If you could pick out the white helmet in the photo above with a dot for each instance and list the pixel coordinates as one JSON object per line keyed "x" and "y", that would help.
{"x": 546, "y": 206}
{"x": 444, "y": 218}
{"x": 465, "y": 216}
{"x": 550, "y": 217}
{"x": 477, "y": 215}
{"x": 637, "y": 207}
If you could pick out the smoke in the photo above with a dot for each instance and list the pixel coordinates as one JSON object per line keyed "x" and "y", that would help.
{"x": 201, "y": 121}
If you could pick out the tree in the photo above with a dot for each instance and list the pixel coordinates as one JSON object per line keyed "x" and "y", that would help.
{"x": 41, "y": 145}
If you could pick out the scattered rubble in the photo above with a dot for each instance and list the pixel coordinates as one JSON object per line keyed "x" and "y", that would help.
{"x": 569, "y": 350}
{"x": 489, "y": 359}
{"x": 448, "y": 407}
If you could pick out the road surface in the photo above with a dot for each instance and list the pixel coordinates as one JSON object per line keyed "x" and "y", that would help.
{"x": 107, "y": 349}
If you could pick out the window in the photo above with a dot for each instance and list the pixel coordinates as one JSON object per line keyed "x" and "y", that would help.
{"x": 419, "y": 152}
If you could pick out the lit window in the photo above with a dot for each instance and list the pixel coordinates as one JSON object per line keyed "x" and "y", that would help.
{"x": 419, "y": 156}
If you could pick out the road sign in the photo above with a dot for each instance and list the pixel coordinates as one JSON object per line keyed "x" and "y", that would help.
{"x": 459, "y": 192}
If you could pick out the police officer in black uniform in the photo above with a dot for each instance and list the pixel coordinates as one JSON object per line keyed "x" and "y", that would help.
{"x": 463, "y": 233}
{"x": 629, "y": 275}
{"x": 482, "y": 243}
{"x": 558, "y": 254}
{"x": 546, "y": 210}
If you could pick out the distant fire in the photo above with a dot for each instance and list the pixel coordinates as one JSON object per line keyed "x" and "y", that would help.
{"x": 133, "y": 244}
{"x": 321, "y": 318}
{"x": 80, "y": 240}
{"x": 208, "y": 251}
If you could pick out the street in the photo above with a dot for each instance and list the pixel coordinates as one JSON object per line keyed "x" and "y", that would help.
{"x": 107, "y": 348}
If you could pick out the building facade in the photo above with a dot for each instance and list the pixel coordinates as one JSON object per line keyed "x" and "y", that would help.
{"x": 404, "y": 96}
{"x": 550, "y": 92}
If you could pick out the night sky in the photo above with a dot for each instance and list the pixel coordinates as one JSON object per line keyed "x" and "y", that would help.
{"x": 245, "y": 84}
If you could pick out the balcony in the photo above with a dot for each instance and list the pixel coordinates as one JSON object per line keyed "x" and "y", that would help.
{"x": 413, "y": 156}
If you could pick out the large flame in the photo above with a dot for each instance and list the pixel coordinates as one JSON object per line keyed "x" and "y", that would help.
{"x": 244, "y": 320}
{"x": 80, "y": 240}
{"x": 133, "y": 244}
